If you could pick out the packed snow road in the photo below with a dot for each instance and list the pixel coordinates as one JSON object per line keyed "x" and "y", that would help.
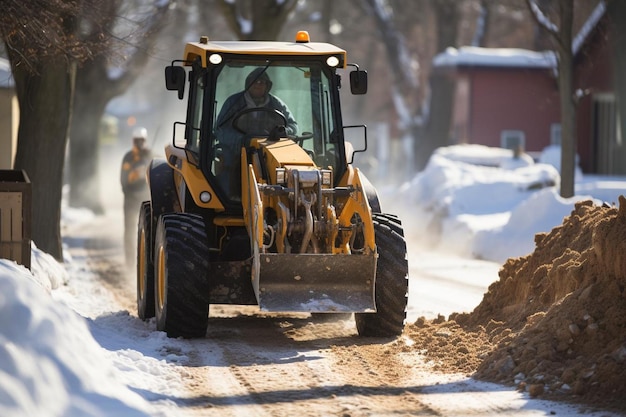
{"x": 254, "y": 364}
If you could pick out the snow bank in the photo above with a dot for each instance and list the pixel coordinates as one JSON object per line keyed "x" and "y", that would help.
{"x": 50, "y": 365}
{"x": 466, "y": 203}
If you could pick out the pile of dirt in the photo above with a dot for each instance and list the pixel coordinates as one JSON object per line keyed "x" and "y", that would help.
{"x": 554, "y": 324}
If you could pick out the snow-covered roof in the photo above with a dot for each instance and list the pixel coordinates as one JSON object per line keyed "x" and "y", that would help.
{"x": 6, "y": 78}
{"x": 512, "y": 57}
{"x": 495, "y": 57}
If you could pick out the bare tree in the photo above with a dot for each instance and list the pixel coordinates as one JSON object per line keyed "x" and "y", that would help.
{"x": 616, "y": 10}
{"x": 397, "y": 49}
{"x": 257, "y": 19}
{"x": 437, "y": 130}
{"x": 40, "y": 40}
{"x": 404, "y": 82}
{"x": 428, "y": 124}
{"x": 562, "y": 35}
{"x": 481, "y": 33}
{"x": 96, "y": 85}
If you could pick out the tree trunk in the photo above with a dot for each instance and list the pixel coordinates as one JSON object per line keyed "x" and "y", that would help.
{"x": 437, "y": 132}
{"x": 45, "y": 99}
{"x": 84, "y": 155}
{"x": 568, "y": 127}
{"x": 568, "y": 109}
{"x": 616, "y": 11}
{"x": 562, "y": 38}
{"x": 94, "y": 89}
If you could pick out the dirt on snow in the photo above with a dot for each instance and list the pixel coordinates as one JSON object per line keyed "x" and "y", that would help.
{"x": 554, "y": 324}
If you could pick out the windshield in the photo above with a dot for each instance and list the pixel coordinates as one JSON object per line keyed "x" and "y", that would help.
{"x": 252, "y": 99}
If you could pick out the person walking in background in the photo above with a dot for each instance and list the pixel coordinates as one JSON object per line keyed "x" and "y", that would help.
{"x": 135, "y": 188}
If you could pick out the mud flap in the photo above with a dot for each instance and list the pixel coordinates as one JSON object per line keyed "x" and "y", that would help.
{"x": 319, "y": 283}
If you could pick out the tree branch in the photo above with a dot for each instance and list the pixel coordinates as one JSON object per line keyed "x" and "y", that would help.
{"x": 545, "y": 23}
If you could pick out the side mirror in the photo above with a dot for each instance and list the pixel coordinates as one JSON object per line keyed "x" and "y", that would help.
{"x": 175, "y": 78}
{"x": 358, "y": 82}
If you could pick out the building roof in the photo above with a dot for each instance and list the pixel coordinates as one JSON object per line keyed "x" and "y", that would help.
{"x": 473, "y": 56}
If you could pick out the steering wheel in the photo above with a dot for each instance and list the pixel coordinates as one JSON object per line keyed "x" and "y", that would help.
{"x": 258, "y": 121}
{"x": 299, "y": 139}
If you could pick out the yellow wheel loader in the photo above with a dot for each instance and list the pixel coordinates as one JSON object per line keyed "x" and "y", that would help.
{"x": 257, "y": 201}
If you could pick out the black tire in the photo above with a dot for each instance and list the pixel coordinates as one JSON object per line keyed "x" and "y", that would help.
{"x": 181, "y": 276}
{"x": 145, "y": 262}
{"x": 392, "y": 281}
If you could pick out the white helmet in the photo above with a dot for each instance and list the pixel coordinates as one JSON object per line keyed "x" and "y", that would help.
{"x": 140, "y": 133}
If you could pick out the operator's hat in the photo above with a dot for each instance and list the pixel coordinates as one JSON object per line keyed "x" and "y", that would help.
{"x": 256, "y": 75}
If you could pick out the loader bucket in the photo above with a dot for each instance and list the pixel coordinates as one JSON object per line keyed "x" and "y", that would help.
{"x": 319, "y": 283}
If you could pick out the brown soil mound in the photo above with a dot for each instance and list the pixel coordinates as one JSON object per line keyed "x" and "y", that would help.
{"x": 555, "y": 322}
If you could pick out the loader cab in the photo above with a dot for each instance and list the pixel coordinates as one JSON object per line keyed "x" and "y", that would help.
{"x": 300, "y": 96}
{"x": 222, "y": 116}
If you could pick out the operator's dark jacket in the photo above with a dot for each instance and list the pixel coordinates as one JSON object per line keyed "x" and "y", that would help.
{"x": 237, "y": 102}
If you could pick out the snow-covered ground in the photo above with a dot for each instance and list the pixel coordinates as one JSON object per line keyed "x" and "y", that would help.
{"x": 474, "y": 201}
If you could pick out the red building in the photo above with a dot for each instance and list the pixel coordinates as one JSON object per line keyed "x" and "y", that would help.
{"x": 509, "y": 97}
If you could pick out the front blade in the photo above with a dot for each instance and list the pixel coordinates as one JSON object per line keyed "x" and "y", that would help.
{"x": 320, "y": 283}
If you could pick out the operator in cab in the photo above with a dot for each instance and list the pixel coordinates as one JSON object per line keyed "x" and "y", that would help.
{"x": 251, "y": 112}
{"x": 256, "y": 94}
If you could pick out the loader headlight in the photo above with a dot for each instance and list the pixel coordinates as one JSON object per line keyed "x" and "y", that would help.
{"x": 215, "y": 59}
{"x": 205, "y": 196}
{"x": 332, "y": 61}
{"x": 281, "y": 178}
{"x": 327, "y": 177}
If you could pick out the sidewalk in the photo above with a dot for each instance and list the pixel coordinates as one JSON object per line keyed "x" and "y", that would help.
{"x": 444, "y": 284}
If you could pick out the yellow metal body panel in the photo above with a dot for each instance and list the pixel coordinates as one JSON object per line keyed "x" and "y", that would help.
{"x": 229, "y": 221}
{"x": 283, "y": 153}
{"x": 357, "y": 203}
{"x": 193, "y": 178}
{"x": 286, "y": 153}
